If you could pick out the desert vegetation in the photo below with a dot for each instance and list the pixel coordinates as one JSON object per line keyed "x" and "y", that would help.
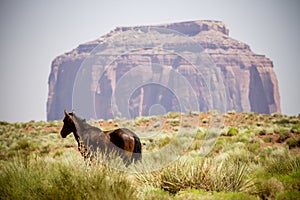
{"x": 254, "y": 156}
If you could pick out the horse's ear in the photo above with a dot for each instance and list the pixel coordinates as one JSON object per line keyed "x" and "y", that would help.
{"x": 66, "y": 114}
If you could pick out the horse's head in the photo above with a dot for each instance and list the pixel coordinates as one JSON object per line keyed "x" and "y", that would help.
{"x": 69, "y": 125}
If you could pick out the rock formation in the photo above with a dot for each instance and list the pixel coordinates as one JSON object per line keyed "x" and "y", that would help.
{"x": 146, "y": 70}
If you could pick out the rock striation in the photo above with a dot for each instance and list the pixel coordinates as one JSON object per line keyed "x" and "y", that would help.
{"x": 147, "y": 70}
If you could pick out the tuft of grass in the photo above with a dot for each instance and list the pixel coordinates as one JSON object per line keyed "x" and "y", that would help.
{"x": 158, "y": 194}
{"x": 164, "y": 141}
{"x": 289, "y": 195}
{"x": 199, "y": 194}
{"x": 282, "y": 164}
{"x": 206, "y": 175}
{"x": 44, "y": 179}
{"x": 269, "y": 188}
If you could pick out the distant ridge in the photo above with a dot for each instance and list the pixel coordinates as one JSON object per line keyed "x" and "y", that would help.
{"x": 250, "y": 83}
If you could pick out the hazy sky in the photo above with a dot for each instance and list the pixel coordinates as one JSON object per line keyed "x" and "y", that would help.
{"x": 34, "y": 32}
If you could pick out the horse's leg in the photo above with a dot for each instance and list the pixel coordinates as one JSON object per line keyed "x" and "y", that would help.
{"x": 128, "y": 148}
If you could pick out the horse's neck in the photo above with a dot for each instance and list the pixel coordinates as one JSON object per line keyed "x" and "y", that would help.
{"x": 79, "y": 128}
{"x": 81, "y": 146}
{"x": 77, "y": 137}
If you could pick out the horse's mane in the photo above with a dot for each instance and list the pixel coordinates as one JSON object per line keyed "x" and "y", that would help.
{"x": 81, "y": 124}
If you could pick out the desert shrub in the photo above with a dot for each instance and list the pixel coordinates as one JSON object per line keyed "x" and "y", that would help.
{"x": 282, "y": 164}
{"x": 205, "y": 175}
{"x": 173, "y": 114}
{"x": 291, "y": 181}
{"x": 199, "y": 194}
{"x": 58, "y": 153}
{"x": 232, "y": 131}
{"x": 241, "y": 137}
{"x": 293, "y": 142}
{"x": 294, "y": 120}
{"x": 164, "y": 141}
{"x": 158, "y": 194}
{"x": 295, "y": 129}
{"x": 283, "y": 136}
{"x": 157, "y": 124}
{"x": 269, "y": 188}
{"x": 254, "y": 147}
{"x": 231, "y": 112}
{"x": 205, "y": 120}
{"x": 196, "y": 145}
{"x": 282, "y": 121}
{"x": 262, "y": 132}
{"x": 4, "y": 123}
{"x": 281, "y": 130}
{"x": 141, "y": 121}
{"x": 43, "y": 179}
{"x": 173, "y": 122}
{"x": 200, "y": 134}
{"x": 268, "y": 139}
{"x": 259, "y": 123}
{"x": 22, "y": 144}
{"x": 45, "y": 149}
{"x": 289, "y": 195}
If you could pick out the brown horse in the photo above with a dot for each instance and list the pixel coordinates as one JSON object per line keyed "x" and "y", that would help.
{"x": 89, "y": 138}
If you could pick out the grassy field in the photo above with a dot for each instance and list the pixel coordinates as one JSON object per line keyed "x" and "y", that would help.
{"x": 185, "y": 156}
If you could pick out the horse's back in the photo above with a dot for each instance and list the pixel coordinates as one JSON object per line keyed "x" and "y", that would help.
{"x": 95, "y": 138}
{"x": 126, "y": 140}
{"x": 137, "y": 146}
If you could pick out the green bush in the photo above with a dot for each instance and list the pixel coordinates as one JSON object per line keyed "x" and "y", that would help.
{"x": 268, "y": 139}
{"x": 232, "y": 131}
{"x": 282, "y": 121}
{"x": 291, "y": 181}
{"x": 289, "y": 195}
{"x": 295, "y": 129}
{"x": 281, "y": 130}
{"x": 293, "y": 143}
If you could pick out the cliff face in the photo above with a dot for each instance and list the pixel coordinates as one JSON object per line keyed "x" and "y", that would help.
{"x": 148, "y": 70}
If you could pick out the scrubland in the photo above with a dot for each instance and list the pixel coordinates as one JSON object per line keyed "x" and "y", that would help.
{"x": 185, "y": 156}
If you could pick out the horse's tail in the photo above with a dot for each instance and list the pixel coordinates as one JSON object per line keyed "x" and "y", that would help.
{"x": 137, "y": 151}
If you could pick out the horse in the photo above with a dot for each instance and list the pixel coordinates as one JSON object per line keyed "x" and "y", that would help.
{"x": 90, "y": 138}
